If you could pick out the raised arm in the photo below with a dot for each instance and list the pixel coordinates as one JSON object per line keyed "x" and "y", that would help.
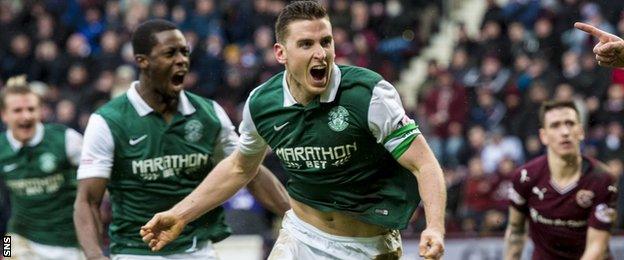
{"x": 610, "y": 48}
{"x": 269, "y": 191}
{"x": 596, "y": 245}
{"x": 515, "y": 234}
{"x": 421, "y": 162}
{"x": 87, "y": 219}
{"x": 229, "y": 176}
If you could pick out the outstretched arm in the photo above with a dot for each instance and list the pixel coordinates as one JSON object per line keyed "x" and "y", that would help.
{"x": 229, "y": 176}
{"x": 87, "y": 217}
{"x": 269, "y": 191}
{"x": 610, "y": 48}
{"x": 515, "y": 235}
{"x": 421, "y": 162}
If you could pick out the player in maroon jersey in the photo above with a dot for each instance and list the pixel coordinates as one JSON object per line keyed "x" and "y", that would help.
{"x": 567, "y": 198}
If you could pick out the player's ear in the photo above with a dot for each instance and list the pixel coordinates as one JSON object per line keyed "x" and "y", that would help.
{"x": 141, "y": 61}
{"x": 280, "y": 53}
{"x": 542, "y": 136}
{"x": 582, "y": 135}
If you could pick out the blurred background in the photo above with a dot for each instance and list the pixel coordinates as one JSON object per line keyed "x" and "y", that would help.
{"x": 472, "y": 74}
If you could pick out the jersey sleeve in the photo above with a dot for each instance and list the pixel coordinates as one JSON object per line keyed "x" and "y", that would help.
{"x": 388, "y": 122}
{"x": 73, "y": 146}
{"x": 227, "y": 139}
{"x": 250, "y": 142}
{"x": 603, "y": 211}
{"x": 518, "y": 192}
{"x": 96, "y": 160}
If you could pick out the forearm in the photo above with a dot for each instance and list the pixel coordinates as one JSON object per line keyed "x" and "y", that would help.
{"x": 433, "y": 193}
{"x": 269, "y": 192}
{"x": 596, "y": 244}
{"x": 514, "y": 241}
{"x": 594, "y": 252}
{"x": 88, "y": 228}
{"x": 222, "y": 183}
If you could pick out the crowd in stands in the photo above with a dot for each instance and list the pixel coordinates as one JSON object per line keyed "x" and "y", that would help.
{"x": 479, "y": 113}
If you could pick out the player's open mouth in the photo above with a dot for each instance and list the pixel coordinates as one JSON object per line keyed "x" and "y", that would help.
{"x": 178, "y": 78}
{"x": 318, "y": 73}
{"x": 26, "y": 125}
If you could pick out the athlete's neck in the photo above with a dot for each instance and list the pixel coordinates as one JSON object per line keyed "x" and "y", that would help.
{"x": 298, "y": 91}
{"x": 164, "y": 105}
{"x": 564, "y": 169}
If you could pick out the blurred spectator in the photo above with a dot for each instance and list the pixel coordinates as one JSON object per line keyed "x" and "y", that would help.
{"x": 491, "y": 75}
{"x": 18, "y": 59}
{"x": 478, "y": 189}
{"x": 500, "y": 147}
{"x": 524, "y": 11}
{"x": 612, "y": 108}
{"x": 488, "y": 110}
{"x": 447, "y": 113}
{"x": 47, "y": 65}
{"x": 612, "y": 146}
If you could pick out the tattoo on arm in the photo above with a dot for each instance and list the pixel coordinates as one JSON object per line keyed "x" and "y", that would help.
{"x": 515, "y": 239}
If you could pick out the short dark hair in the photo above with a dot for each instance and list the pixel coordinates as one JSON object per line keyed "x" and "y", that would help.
{"x": 143, "y": 39}
{"x": 298, "y": 10}
{"x": 555, "y": 104}
{"x": 16, "y": 86}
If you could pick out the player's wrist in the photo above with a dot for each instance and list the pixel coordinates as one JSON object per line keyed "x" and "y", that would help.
{"x": 439, "y": 229}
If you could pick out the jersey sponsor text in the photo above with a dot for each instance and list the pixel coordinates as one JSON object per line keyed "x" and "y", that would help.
{"x": 315, "y": 156}
{"x": 168, "y": 164}
{"x": 37, "y": 186}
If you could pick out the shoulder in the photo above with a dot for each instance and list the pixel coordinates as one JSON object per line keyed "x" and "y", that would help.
{"x": 272, "y": 86}
{"x": 599, "y": 172}
{"x": 268, "y": 94}
{"x": 353, "y": 75}
{"x": 54, "y": 128}
{"x": 115, "y": 107}
{"x": 360, "y": 86}
{"x": 200, "y": 102}
{"x": 530, "y": 172}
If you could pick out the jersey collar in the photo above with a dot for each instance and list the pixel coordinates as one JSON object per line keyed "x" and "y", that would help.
{"x": 184, "y": 106}
{"x": 328, "y": 96}
{"x": 37, "y": 138}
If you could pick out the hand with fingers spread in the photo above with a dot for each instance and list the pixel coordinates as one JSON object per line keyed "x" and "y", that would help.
{"x": 610, "y": 48}
{"x": 431, "y": 244}
{"x": 163, "y": 228}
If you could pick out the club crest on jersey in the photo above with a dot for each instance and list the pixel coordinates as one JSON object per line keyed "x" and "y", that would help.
{"x": 193, "y": 130}
{"x": 584, "y": 198}
{"x": 47, "y": 162}
{"x": 338, "y": 118}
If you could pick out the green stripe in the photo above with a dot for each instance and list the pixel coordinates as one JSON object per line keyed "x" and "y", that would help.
{"x": 400, "y": 132}
{"x": 401, "y": 148}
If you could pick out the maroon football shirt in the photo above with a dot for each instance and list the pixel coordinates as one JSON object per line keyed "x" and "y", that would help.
{"x": 559, "y": 216}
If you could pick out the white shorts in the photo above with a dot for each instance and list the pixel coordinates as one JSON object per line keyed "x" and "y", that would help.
{"x": 302, "y": 241}
{"x": 205, "y": 250}
{"x": 25, "y": 249}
